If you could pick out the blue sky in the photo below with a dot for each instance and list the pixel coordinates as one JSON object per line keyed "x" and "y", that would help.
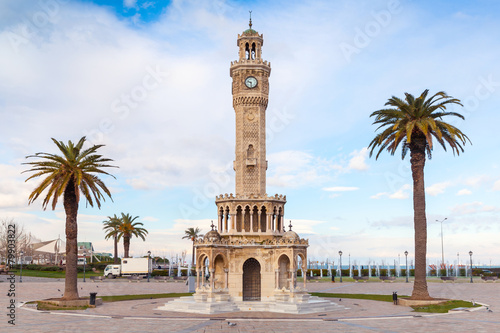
{"x": 150, "y": 80}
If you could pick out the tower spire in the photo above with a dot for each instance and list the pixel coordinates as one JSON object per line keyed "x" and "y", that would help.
{"x": 250, "y": 23}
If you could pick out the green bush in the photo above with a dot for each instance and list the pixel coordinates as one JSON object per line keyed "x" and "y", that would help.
{"x": 51, "y": 268}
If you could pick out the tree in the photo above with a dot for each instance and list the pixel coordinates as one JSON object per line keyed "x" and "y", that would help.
{"x": 192, "y": 234}
{"x": 70, "y": 175}
{"x": 128, "y": 228}
{"x": 111, "y": 227}
{"x": 414, "y": 123}
{"x": 14, "y": 237}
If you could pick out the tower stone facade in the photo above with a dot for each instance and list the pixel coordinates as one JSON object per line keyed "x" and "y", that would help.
{"x": 248, "y": 253}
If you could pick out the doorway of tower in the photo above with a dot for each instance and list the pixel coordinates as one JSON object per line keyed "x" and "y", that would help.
{"x": 251, "y": 280}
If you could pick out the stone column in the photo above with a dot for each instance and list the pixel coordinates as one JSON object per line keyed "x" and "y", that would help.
{"x": 259, "y": 219}
{"x": 226, "y": 273}
{"x": 268, "y": 221}
{"x": 292, "y": 279}
{"x": 304, "y": 275}
{"x": 202, "y": 276}
{"x": 232, "y": 222}
{"x": 251, "y": 220}
{"x": 212, "y": 280}
{"x": 197, "y": 278}
{"x": 277, "y": 279}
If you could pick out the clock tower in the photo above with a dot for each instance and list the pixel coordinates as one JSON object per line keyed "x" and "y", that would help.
{"x": 250, "y": 90}
{"x": 248, "y": 253}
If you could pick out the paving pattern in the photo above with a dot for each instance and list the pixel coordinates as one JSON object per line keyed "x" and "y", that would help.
{"x": 142, "y": 315}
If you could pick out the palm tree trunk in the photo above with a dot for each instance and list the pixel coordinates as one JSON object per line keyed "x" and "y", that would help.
{"x": 192, "y": 259}
{"x": 417, "y": 149}
{"x": 126, "y": 245}
{"x": 71, "y": 209}
{"x": 115, "y": 261}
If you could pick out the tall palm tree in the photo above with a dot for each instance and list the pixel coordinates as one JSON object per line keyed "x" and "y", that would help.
{"x": 192, "y": 234}
{"x": 111, "y": 228}
{"x": 413, "y": 123}
{"x": 128, "y": 228}
{"x": 70, "y": 175}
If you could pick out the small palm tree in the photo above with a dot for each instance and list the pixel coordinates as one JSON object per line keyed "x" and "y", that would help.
{"x": 192, "y": 234}
{"x": 111, "y": 227}
{"x": 70, "y": 175}
{"x": 128, "y": 228}
{"x": 414, "y": 123}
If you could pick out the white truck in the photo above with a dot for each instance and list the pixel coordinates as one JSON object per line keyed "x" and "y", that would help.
{"x": 129, "y": 266}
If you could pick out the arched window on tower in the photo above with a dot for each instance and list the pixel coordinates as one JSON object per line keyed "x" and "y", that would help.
{"x": 247, "y": 51}
{"x": 251, "y": 160}
{"x": 253, "y": 51}
{"x": 250, "y": 152}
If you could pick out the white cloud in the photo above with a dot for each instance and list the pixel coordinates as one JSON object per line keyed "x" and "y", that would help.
{"x": 358, "y": 160}
{"x": 437, "y": 188}
{"x": 464, "y": 191}
{"x": 303, "y": 226}
{"x": 340, "y": 189}
{"x": 472, "y": 208}
{"x": 129, "y": 3}
{"x": 402, "y": 193}
{"x": 14, "y": 192}
{"x": 496, "y": 186}
{"x": 297, "y": 168}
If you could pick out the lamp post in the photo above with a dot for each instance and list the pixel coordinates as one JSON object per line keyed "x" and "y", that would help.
{"x": 442, "y": 242}
{"x": 458, "y": 264}
{"x": 340, "y": 262}
{"x": 149, "y": 255}
{"x": 21, "y": 274}
{"x": 406, "y": 255}
{"x": 470, "y": 254}
{"x": 84, "y": 262}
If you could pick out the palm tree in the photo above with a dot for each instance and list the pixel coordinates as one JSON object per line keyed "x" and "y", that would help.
{"x": 192, "y": 234}
{"x": 128, "y": 228}
{"x": 70, "y": 175}
{"x": 111, "y": 228}
{"x": 414, "y": 123}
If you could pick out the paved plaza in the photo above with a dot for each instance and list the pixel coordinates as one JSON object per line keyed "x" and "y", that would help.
{"x": 357, "y": 315}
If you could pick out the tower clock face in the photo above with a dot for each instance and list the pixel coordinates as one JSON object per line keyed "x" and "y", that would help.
{"x": 251, "y": 82}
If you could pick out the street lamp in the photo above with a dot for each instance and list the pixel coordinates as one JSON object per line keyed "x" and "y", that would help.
{"x": 442, "y": 242}
{"x": 340, "y": 254}
{"x": 470, "y": 254}
{"x": 84, "y": 262}
{"x": 21, "y": 274}
{"x": 406, "y": 255}
{"x": 149, "y": 255}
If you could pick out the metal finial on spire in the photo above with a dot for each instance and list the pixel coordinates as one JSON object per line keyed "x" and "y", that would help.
{"x": 290, "y": 225}
{"x": 250, "y": 24}
{"x": 212, "y": 225}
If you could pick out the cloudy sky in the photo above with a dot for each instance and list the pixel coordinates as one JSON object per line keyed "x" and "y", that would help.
{"x": 150, "y": 80}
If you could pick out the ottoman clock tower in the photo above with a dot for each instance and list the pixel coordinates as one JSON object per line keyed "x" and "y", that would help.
{"x": 251, "y": 259}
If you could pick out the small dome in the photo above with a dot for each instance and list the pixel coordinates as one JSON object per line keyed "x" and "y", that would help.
{"x": 292, "y": 235}
{"x": 212, "y": 235}
{"x": 250, "y": 32}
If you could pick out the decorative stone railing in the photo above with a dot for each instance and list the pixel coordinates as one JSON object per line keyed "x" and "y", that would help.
{"x": 279, "y": 197}
{"x": 252, "y": 242}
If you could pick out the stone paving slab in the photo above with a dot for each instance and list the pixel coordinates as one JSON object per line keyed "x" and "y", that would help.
{"x": 359, "y": 315}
